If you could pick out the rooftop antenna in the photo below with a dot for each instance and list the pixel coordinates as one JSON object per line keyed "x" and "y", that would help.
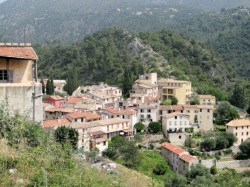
{"x": 24, "y": 35}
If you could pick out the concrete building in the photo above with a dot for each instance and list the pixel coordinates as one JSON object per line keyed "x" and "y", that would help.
{"x": 182, "y": 90}
{"x": 147, "y": 114}
{"x": 18, "y": 79}
{"x": 207, "y": 99}
{"x": 72, "y": 101}
{"x": 240, "y": 128}
{"x": 112, "y": 90}
{"x": 175, "y": 122}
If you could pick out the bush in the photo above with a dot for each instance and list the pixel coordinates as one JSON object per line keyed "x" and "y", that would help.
{"x": 165, "y": 103}
{"x": 116, "y": 138}
{"x": 219, "y": 153}
{"x": 139, "y": 126}
{"x": 228, "y": 151}
{"x": 198, "y": 143}
{"x": 195, "y": 152}
{"x": 189, "y": 141}
{"x": 155, "y": 127}
{"x": 137, "y": 137}
{"x": 197, "y": 134}
{"x": 221, "y": 142}
{"x": 140, "y": 146}
{"x": 165, "y": 140}
{"x": 217, "y": 157}
{"x": 208, "y": 144}
{"x": 160, "y": 169}
{"x": 152, "y": 146}
{"x": 213, "y": 170}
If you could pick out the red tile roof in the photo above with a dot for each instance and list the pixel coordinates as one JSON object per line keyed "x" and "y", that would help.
{"x": 83, "y": 95}
{"x": 188, "y": 158}
{"x": 52, "y": 123}
{"x": 127, "y": 111}
{"x": 18, "y": 52}
{"x": 86, "y": 115}
{"x": 73, "y": 100}
{"x": 54, "y": 97}
{"x": 97, "y": 132}
{"x": 172, "y": 148}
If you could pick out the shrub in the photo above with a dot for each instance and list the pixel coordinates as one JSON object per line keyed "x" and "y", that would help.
{"x": 137, "y": 137}
{"x": 219, "y": 153}
{"x": 160, "y": 169}
{"x": 228, "y": 151}
{"x": 152, "y": 146}
{"x": 197, "y": 134}
{"x": 205, "y": 157}
{"x": 195, "y": 152}
{"x": 140, "y": 146}
{"x": 213, "y": 170}
{"x": 165, "y": 140}
{"x": 217, "y": 157}
{"x": 198, "y": 143}
{"x": 116, "y": 138}
{"x": 208, "y": 144}
{"x": 189, "y": 141}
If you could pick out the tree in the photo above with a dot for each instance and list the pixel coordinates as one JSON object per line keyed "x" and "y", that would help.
{"x": 195, "y": 101}
{"x": 208, "y": 144}
{"x": 116, "y": 138}
{"x": 174, "y": 101}
{"x": 221, "y": 142}
{"x": 48, "y": 87}
{"x": 238, "y": 97}
{"x": 111, "y": 153}
{"x": 230, "y": 137}
{"x": 155, "y": 127}
{"x": 202, "y": 181}
{"x": 189, "y": 141}
{"x": 248, "y": 109}
{"x": 127, "y": 82}
{"x": 198, "y": 170}
{"x": 181, "y": 77}
{"x": 72, "y": 81}
{"x": 213, "y": 170}
{"x": 245, "y": 147}
{"x": 160, "y": 168}
{"x": 62, "y": 134}
{"x": 175, "y": 181}
{"x": 52, "y": 88}
{"x": 227, "y": 112}
{"x": 43, "y": 87}
{"x": 165, "y": 103}
{"x": 139, "y": 127}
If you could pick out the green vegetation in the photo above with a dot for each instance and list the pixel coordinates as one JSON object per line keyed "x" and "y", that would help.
{"x": 238, "y": 97}
{"x": 160, "y": 169}
{"x": 245, "y": 148}
{"x": 195, "y": 101}
{"x": 155, "y": 127}
{"x": 72, "y": 81}
{"x": 139, "y": 127}
{"x": 137, "y": 137}
{"x": 165, "y": 103}
{"x": 50, "y": 87}
{"x": 174, "y": 101}
{"x": 63, "y": 134}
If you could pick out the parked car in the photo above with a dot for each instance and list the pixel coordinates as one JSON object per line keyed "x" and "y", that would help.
{"x": 112, "y": 165}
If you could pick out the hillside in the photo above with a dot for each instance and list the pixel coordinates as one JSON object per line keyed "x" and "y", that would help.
{"x": 226, "y": 32}
{"x": 104, "y": 55}
{"x": 68, "y": 22}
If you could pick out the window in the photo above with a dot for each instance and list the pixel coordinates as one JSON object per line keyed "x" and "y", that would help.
{"x": 127, "y": 124}
{"x": 180, "y": 117}
{"x": 179, "y": 138}
{"x": 118, "y": 125}
{"x": 104, "y": 143}
{"x": 176, "y": 162}
{"x": 75, "y": 120}
{"x": 173, "y": 160}
{"x": 107, "y": 128}
{"x": 236, "y": 134}
{"x": 160, "y": 112}
{"x": 183, "y": 167}
{"x": 200, "y": 110}
{"x": 173, "y": 110}
{"x": 117, "y": 116}
{"x": 170, "y": 123}
{"x": 123, "y": 125}
{"x": 175, "y": 117}
{"x": 112, "y": 126}
{"x": 208, "y": 110}
{"x": 187, "y": 111}
{"x": 82, "y": 140}
{"x": 242, "y": 127}
{"x": 242, "y": 133}
{"x": 247, "y": 133}
{"x": 207, "y": 117}
{"x": 173, "y": 155}
{"x": 236, "y": 128}
{"x": 149, "y": 110}
{"x": 177, "y": 156}
{"x": 227, "y": 127}
{"x": 181, "y": 111}
{"x": 175, "y": 122}
{"x": 247, "y": 127}
{"x": 142, "y": 111}
{"x": 200, "y": 116}
{"x": 180, "y": 122}
{"x": 185, "y": 122}
{"x": 61, "y": 103}
{"x": 3, "y": 76}
{"x": 82, "y": 120}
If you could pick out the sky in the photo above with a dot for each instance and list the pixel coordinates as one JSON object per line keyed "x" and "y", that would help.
{"x": 2, "y": 1}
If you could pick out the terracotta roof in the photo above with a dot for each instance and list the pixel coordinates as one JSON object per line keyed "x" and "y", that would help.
{"x": 172, "y": 148}
{"x": 199, "y": 106}
{"x": 54, "y": 97}
{"x": 155, "y": 98}
{"x": 58, "y": 84}
{"x": 18, "y": 52}
{"x": 86, "y": 115}
{"x": 101, "y": 140}
{"x": 175, "y": 114}
{"x": 67, "y": 110}
{"x": 239, "y": 122}
{"x": 52, "y": 123}
{"x": 73, "y": 100}
{"x": 45, "y": 104}
{"x": 172, "y": 81}
{"x": 171, "y": 107}
{"x": 127, "y": 111}
{"x": 188, "y": 158}
{"x": 206, "y": 96}
{"x": 83, "y": 95}
{"x": 97, "y": 132}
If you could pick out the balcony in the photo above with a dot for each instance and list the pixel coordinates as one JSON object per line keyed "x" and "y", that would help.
{"x": 142, "y": 116}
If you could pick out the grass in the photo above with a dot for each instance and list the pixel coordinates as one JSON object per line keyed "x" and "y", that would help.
{"x": 208, "y": 157}
{"x": 184, "y": 147}
{"x": 220, "y": 127}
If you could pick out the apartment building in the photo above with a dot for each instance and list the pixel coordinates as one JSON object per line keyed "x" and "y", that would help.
{"x": 57, "y": 113}
{"x": 130, "y": 114}
{"x": 175, "y": 122}
{"x": 147, "y": 114}
{"x": 83, "y": 117}
{"x": 19, "y": 80}
{"x": 200, "y": 115}
{"x": 97, "y": 133}
{"x": 112, "y": 90}
{"x": 55, "y": 100}
{"x": 240, "y": 128}
{"x": 178, "y": 159}
{"x": 207, "y": 99}
{"x": 182, "y": 90}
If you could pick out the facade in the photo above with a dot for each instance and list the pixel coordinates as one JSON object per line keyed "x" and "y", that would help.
{"x": 175, "y": 122}
{"x": 58, "y": 113}
{"x": 97, "y": 133}
{"x": 182, "y": 90}
{"x": 46, "y": 106}
{"x": 55, "y": 100}
{"x": 72, "y": 101}
{"x": 240, "y": 128}
{"x": 147, "y": 114}
{"x": 112, "y": 90}
{"x": 18, "y": 64}
{"x": 207, "y": 99}
{"x": 83, "y": 117}
{"x": 178, "y": 159}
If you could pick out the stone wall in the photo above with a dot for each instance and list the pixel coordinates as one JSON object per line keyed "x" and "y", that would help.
{"x": 208, "y": 163}
{"x": 233, "y": 164}
{"x": 150, "y": 137}
{"x": 178, "y": 138}
{"x": 235, "y": 150}
{"x": 212, "y": 134}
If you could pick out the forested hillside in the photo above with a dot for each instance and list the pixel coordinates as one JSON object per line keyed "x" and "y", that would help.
{"x": 69, "y": 21}
{"x": 104, "y": 55}
{"x": 226, "y": 32}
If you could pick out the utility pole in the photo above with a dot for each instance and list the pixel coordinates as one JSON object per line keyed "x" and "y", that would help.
{"x": 24, "y": 35}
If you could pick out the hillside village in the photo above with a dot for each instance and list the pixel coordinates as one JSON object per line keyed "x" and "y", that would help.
{"x": 99, "y": 112}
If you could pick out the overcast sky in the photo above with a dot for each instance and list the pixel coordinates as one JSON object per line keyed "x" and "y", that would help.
{"x": 2, "y": 1}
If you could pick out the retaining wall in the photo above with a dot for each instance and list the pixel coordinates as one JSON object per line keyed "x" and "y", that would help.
{"x": 212, "y": 134}
{"x": 150, "y": 137}
{"x": 208, "y": 163}
{"x": 233, "y": 164}
{"x": 178, "y": 138}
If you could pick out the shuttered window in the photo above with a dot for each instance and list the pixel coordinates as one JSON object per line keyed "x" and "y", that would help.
{"x": 3, "y": 76}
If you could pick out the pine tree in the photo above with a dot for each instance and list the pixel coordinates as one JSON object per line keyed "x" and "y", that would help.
{"x": 52, "y": 86}
{"x": 43, "y": 87}
{"x": 48, "y": 87}
{"x": 104, "y": 70}
{"x": 238, "y": 97}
